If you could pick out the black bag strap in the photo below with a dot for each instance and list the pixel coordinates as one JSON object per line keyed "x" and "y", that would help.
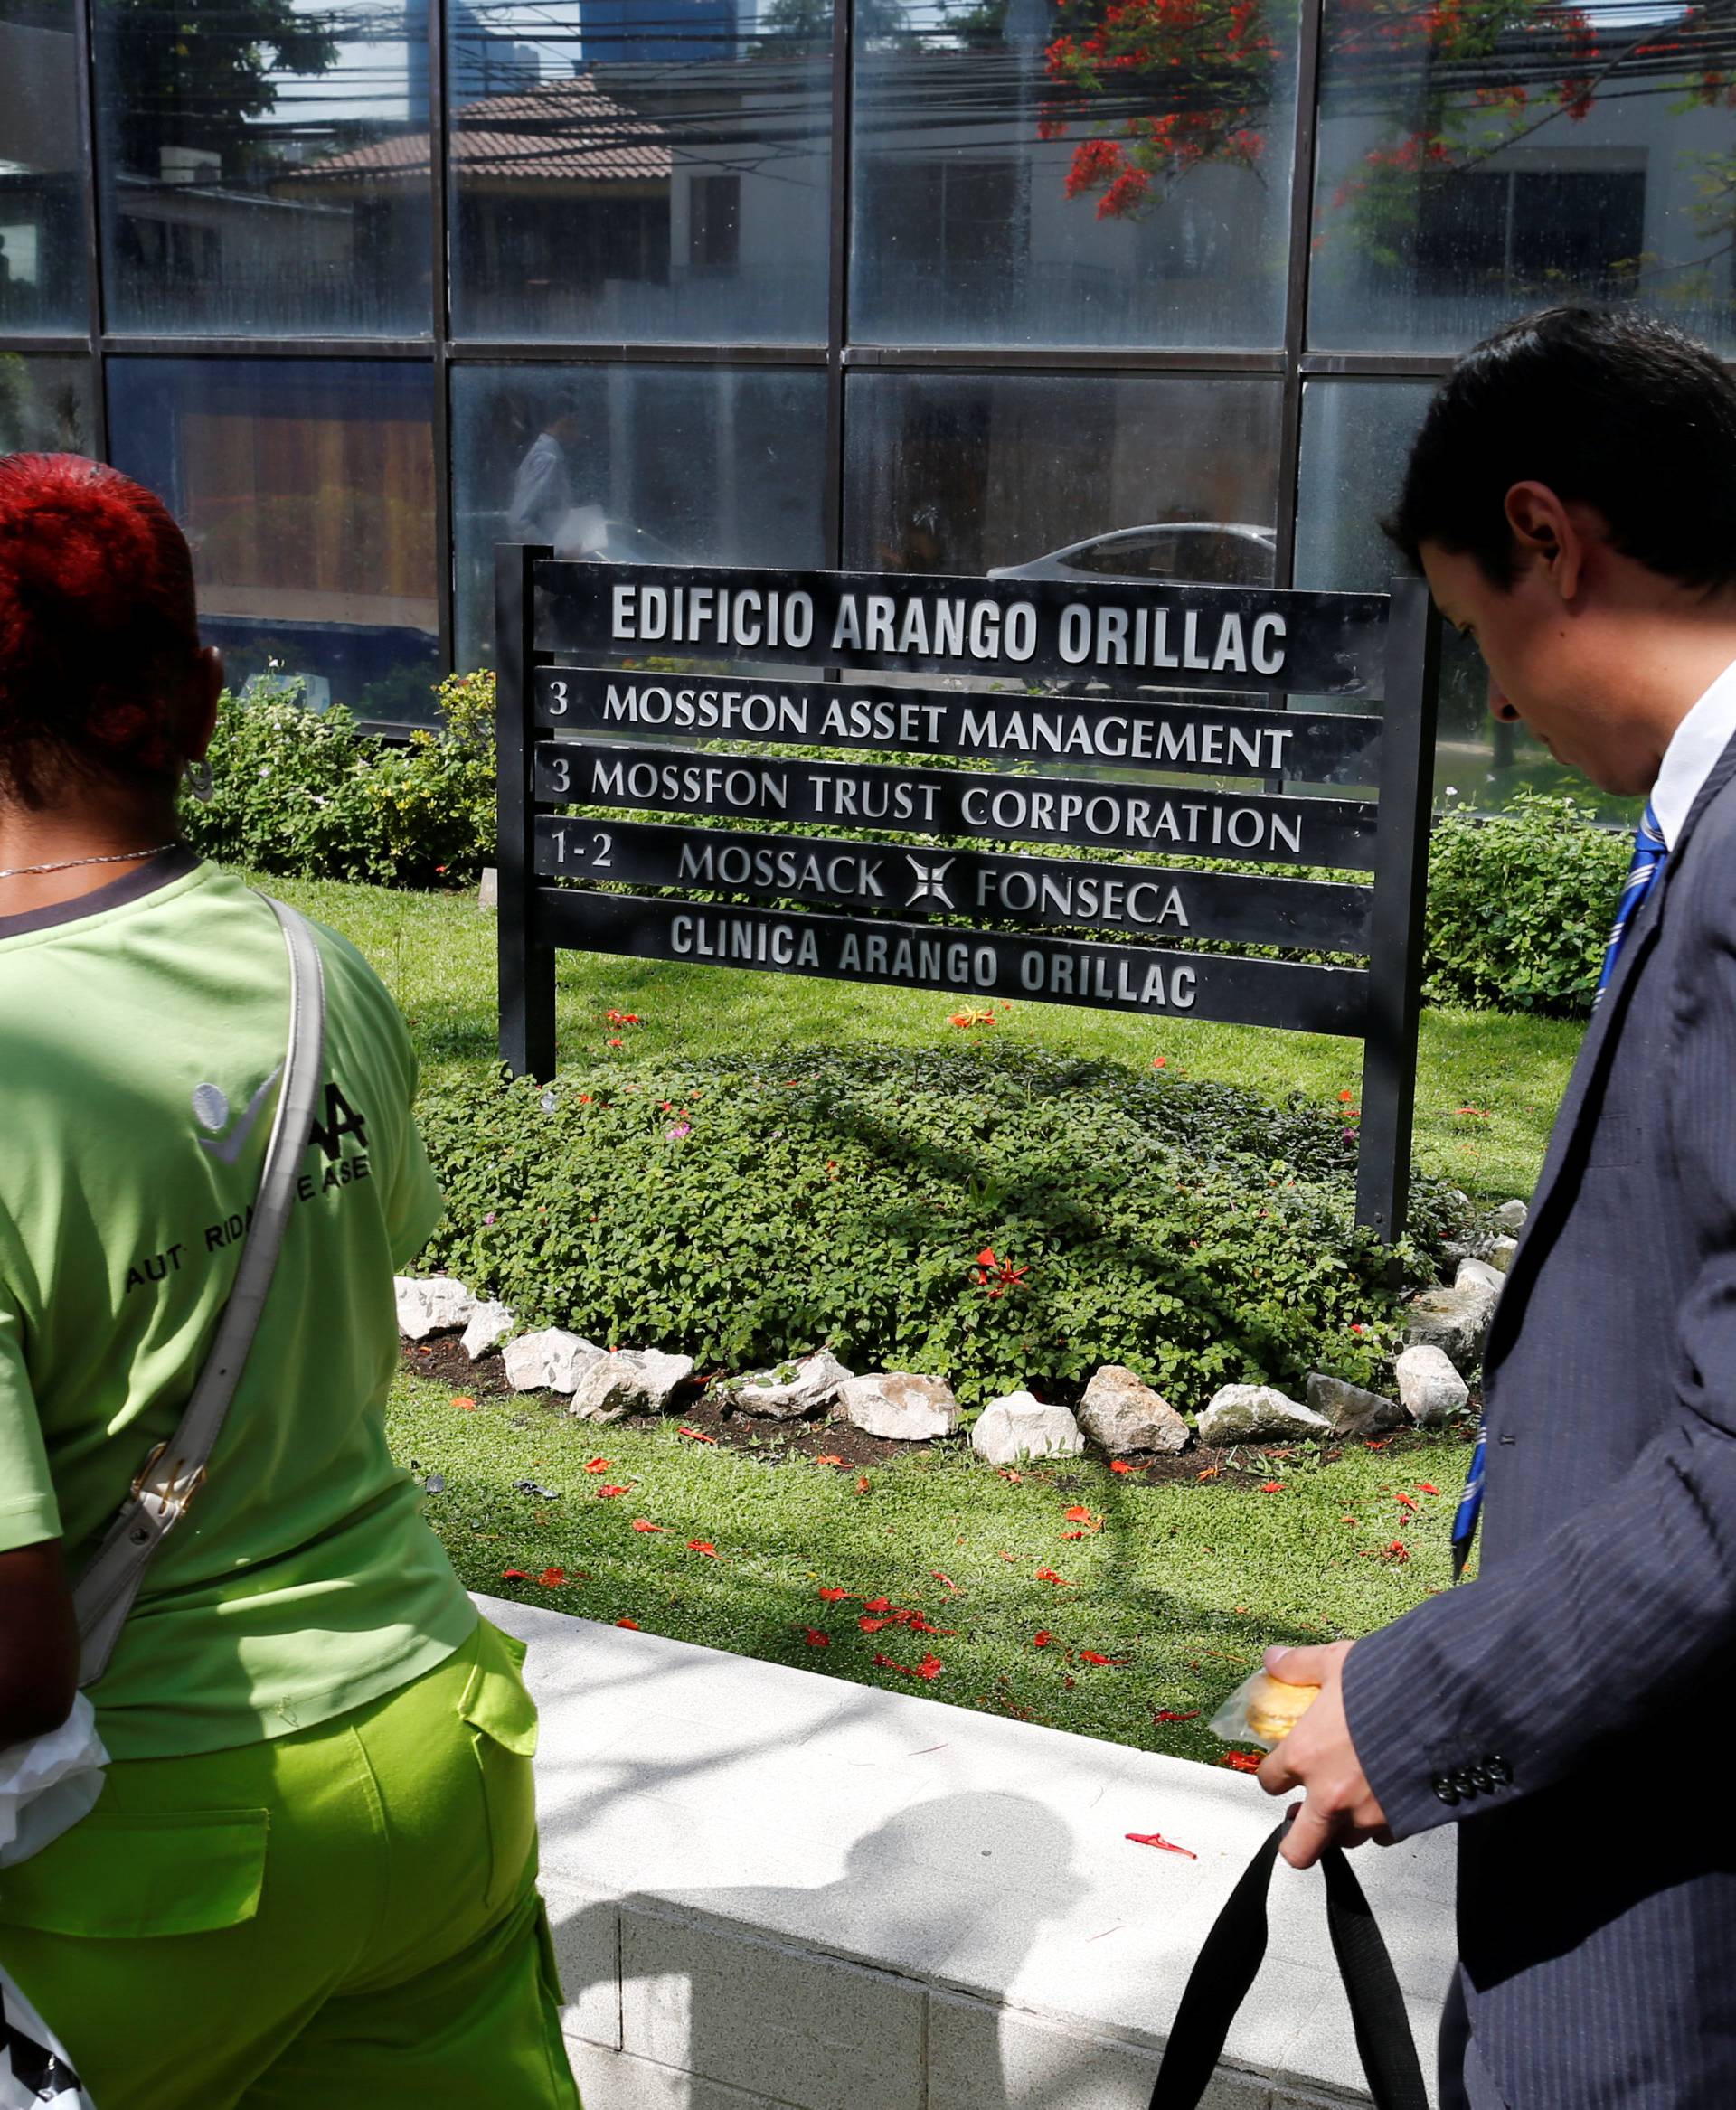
{"x": 1230, "y": 1958}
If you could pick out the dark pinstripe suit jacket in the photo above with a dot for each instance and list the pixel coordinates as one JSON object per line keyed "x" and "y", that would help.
{"x": 1597, "y": 1910}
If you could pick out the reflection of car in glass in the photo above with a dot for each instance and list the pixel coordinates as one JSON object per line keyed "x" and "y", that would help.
{"x": 1203, "y": 553}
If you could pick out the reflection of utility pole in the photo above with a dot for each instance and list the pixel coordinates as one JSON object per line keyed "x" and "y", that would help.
{"x": 1025, "y": 30}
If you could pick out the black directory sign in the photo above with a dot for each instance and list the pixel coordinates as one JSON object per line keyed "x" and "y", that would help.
{"x": 1067, "y": 828}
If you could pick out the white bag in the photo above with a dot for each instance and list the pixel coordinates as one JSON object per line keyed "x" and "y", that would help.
{"x": 48, "y": 1782}
{"x": 35, "y": 2074}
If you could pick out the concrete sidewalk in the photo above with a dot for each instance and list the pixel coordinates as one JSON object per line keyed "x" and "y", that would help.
{"x": 770, "y": 1887}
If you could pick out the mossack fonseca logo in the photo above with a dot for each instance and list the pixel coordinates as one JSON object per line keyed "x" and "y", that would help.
{"x": 930, "y": 624}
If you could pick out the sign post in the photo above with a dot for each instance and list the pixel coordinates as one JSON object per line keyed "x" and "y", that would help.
{"x": 1039, "y": 770}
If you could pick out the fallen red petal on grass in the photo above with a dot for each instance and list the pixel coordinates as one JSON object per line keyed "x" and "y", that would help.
{"x": 1241, "y": 1761}
{"x": 1079, "y": 1514}
{"x": 639, "y": 1524}
{"x": 1428, "y": 1487}
{"x": 1121, "y": 1465}
{"x": 876, "y": 1604}
{"x": 597, "y": 1465}
{"x": 1157, "y": 1838}
{"x": 1210, "y": 1473}
{"x": 632, "y": 1626}
{"x": 1048, "y": 1575}
{"x": 1397, "y": 1552}
{"x": 828, "y": 1459}
{"x": 1169, "y": 1714}
{"x": 861, "y": 1484}
{"x": 1347, "y": 1519}
{"x": 608, "y": 1493}
{"x": 1271, "y": 1487}
{"x": 552, "y": 1579}
{"x": 873, "y": 1625}
{"x": 1089, "y": 1655}
{"x": 930, "y": 1668}
{"x": 515, "y": 1574}
{"x": 1042, "y": 1638}
{"x": 917, "y": 1624}
{"x": 834, "y": 1596}
{"x": 945, "y": 1580}
{"x": 1075, "y": 1533}
{"x": 815, "y": 1639}
{"x": 1372, "y": 1446}
{"x": 703, "y": 1546}
{"x": 463, "y": 1403}
{"x": 1406, "y": 1500}
{"x": 696, "y": 1436}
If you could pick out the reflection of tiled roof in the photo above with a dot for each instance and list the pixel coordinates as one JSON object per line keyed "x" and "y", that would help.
{"x": 568, "y": 130}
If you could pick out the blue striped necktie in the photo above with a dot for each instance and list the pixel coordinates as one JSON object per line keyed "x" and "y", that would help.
{"x": 1650, "y": 849}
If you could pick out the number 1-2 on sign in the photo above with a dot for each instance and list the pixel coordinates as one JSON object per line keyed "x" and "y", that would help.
{"x": 571, "y": 848}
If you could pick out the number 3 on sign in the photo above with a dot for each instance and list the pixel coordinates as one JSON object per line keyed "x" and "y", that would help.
{"x": 569, "y": 848}
{"x": 557, "y": 699}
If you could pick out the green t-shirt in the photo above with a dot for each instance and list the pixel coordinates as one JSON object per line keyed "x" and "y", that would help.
{"x": 141, "y": 1032}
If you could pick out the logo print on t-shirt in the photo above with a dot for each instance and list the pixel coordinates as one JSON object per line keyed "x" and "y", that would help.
{"x": 211, "y": 1104}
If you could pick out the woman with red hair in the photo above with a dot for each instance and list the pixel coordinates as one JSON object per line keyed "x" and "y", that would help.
{"x": 310, "y": 1876}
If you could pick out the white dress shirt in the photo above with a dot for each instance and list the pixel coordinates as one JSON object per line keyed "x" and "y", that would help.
{"x": 1696, "y": 744}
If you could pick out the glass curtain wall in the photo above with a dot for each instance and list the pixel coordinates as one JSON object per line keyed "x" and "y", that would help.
{"x": 1146, "y": 288}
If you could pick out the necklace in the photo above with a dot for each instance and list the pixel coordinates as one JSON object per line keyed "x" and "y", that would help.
{"x": 68, "y": 864}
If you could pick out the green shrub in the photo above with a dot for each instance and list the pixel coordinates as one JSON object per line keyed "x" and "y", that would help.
{"x": 1520, "y": 905}
{"x": 741, "y": 1210}
{"x": 304, "y": 793}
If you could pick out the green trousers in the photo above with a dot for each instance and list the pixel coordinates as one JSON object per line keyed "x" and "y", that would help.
{"x": 346, "y": 1915}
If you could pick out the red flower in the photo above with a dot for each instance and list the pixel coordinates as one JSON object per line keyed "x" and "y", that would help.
{"x": 873, "y": 1625}
{"x": 1079, "y": 1514}
{"x": 1042, "y": 1638}
{"x": 1210, "y": 1472}
{"x": 1157, "y": 1838}
{"x": 945, "y": 1581}
{"x": 1241, "y": 1761}
{"x": 930, "y": 1668}
{"x": 1271, "y": 1487}
{"x": 1089, "y": 1655}
{"x": 1160, "y": 1062}
{"x": 828, "y": 1460}
{"x": 1405, "y": 1500}
{"x": 552, "y": 1579}
{"x": 514, "y": 1574}
{"x": 615, "y": 1043}
{"x": 703, "y": 1546}
{"x": 837, "y": 1597}
{"x": 1048, "y": 1575}
{"x": 815, "y": 1639}
{"x": 465, "y": 1405}
{"x": 1397, "y": 1553}
{"x": 632, "y": 1626}
{"x": 1121, "y": 1465}
{"x": 639, "y": 1524}
{"x": 606, "y": 1493}
{"x": 1345, "y": 1098}
{"x": 1427, "y": 1487}
{"x": 698, "y": 1435}
{"x": 597, "y": 1465}
{"x": 861, "y": 1484}
{"x": 1169, "y": 1714}
{"x": 876, "y": 1604}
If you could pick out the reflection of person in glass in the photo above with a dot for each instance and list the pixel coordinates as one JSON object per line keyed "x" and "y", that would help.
{"x": 542, "y": 490}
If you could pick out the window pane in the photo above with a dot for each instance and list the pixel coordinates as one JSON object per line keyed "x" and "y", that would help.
{"x": 642, "y": 170}
{"x": 44, "y": 405}
{"x": 962, "y": 474}
{"x": 306, "y": 489}
{"x": 1474, "y": 163}
{"x": 42, "y": 216}
{"x": 635, "y": 464}
{"x": 1355, "y": 439}
{"x": 1072, "y": 172}
{"x": 265, "y": 166}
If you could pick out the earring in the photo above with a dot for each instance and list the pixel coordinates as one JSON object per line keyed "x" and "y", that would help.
{"x": 198, "y": 779}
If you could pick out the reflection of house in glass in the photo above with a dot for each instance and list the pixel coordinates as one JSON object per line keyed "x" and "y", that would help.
{"x": 41, "y": 223}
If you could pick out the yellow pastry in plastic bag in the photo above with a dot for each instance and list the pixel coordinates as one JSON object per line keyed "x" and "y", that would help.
{"x": 1274, "y": 1708}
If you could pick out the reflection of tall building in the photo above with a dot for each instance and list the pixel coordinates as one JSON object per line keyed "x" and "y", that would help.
{"x": 634, "y": 31}
{"x": 480, "y": 60}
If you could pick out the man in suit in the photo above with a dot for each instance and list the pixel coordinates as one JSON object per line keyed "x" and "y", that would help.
{"x": 1571, "y": 498}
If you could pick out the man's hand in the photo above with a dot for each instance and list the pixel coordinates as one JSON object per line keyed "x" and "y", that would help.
{"x": 1319, "y": 1757}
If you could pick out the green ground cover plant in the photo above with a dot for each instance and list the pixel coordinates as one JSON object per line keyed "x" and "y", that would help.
{"x": 1179, "y": 1583}
{"x": 996, "y": 1215}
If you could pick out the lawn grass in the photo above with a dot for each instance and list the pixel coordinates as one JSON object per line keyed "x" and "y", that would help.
{"x": 1488, "y": 1083}
{"x": 1189, "y": 1581}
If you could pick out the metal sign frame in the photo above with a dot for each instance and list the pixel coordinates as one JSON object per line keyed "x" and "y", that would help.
{"x": 1224, "y": 642}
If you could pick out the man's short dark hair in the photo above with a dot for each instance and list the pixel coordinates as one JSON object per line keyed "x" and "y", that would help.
{"x": 1607, "y": 407}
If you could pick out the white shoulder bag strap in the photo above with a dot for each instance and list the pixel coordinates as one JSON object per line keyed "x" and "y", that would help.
{"x": 172, "y": 1476}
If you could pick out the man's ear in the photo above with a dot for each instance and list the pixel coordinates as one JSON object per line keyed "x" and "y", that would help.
{"x": 208, "y": 687}
{"x": 1547, "y": 534}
